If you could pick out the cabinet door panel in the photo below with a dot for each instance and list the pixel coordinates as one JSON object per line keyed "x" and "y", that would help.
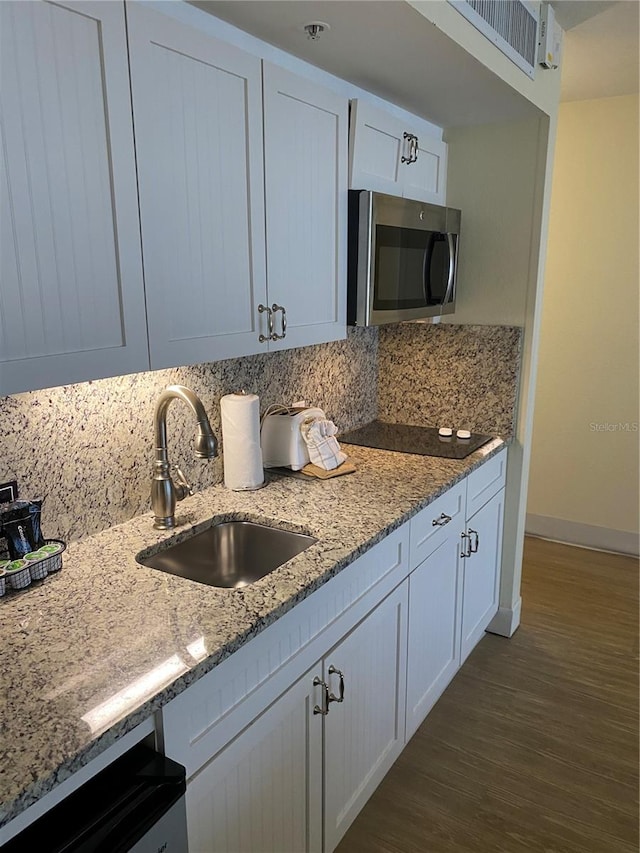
{"x": 305, "y": 143}
{"x": 198, "y": 126}
{"x": 482, "y": 573}
{"x": 263, "y": 792}
{"x": 365, "y": 733}
{"x": 426, "y": 179}
{"x": 376, "y": 149}
{"x": 72, "y": 297}
{"x": 435, "y": 599}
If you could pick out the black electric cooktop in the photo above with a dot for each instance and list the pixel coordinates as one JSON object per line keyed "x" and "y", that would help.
{"x": 423, "y": 441}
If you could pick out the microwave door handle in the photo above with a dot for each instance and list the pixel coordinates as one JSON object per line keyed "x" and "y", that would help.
{"x": 452, "y": 267}
{"x": 426, "y": 269}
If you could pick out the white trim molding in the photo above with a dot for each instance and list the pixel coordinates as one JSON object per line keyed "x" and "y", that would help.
{"x": 506, "y": 620}
{"x": 584, "y": 535}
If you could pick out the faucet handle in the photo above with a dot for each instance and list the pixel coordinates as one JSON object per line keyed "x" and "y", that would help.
{"x": 181, "y": 484}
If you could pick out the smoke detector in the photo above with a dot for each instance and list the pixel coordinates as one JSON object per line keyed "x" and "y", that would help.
{"x": 314, "y": 29}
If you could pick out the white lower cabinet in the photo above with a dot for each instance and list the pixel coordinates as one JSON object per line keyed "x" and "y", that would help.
{"x": 287, "y": 739}
{"x": 481, "y": 571}
{"x": 264, "y": 792}
{"x": 433, "y": 657}
{"x": 364, "y": 734}
{"x": 455, "y": 551}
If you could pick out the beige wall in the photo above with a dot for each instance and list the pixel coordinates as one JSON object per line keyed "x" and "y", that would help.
{"x": 493, "y": 178}
{"x": 584, "y": 464}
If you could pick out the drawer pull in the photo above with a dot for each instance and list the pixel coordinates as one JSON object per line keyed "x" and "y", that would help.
{"x": 324, "y": 710}
{"x": 440, "y": 522}
{"x": 340, "y": 697}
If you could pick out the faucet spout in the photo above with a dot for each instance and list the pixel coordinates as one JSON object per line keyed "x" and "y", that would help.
{"x": 164, "y": 492}
{"x": 206, "y": 444}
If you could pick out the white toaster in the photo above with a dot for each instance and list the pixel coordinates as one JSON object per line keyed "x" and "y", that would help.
{"x": 282, "y": 443}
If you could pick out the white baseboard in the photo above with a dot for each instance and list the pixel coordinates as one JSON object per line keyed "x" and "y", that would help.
{"x": 585, "y": 535}
{"x": 506, "y": 620}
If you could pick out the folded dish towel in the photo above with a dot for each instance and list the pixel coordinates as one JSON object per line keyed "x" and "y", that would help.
{"x": 319, "y": 436}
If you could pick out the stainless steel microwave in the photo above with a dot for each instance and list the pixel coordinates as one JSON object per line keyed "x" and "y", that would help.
{"x": 403, "y": 257}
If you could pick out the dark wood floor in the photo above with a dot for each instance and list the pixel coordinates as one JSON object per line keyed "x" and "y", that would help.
{"x": 534, "y": 746}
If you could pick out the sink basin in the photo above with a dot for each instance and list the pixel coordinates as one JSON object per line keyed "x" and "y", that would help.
{"x": 230, "y": 554}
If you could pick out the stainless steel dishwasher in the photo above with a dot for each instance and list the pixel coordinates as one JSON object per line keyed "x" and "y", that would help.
{"x": 136, "y": 805}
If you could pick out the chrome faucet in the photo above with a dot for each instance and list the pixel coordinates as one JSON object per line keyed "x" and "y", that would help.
{"x": 164, "y": 491}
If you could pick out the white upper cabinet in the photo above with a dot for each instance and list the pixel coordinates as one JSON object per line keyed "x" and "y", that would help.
{"x": 388, "y": 156}
{"x": 305, "y": 145}
{"x": 198, "y": 124}
{"x": 71, "y": 294}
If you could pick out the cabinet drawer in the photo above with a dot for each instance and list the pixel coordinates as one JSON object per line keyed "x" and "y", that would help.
{"x": 202, "y": 719}
{"x": 486, "y": 482}
{"x": 430, "y": 527}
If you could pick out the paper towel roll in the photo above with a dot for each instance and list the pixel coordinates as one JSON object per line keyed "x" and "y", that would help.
{"x": 241, "y": 452}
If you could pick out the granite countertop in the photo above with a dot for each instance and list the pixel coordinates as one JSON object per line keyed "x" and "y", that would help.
{"x": 88, "y": 633}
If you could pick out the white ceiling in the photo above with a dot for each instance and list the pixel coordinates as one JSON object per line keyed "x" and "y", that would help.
{"x": 388, "y": 48}
{"x": 601, "y": 56}
{"x": 570, "y": 13}
{"x": 385, "y": 47}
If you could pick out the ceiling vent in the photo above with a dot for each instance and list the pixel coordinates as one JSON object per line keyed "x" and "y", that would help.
{"x": 512, "y": 25}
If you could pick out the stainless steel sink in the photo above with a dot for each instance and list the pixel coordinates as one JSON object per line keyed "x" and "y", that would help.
{"x": 229, "y": 554}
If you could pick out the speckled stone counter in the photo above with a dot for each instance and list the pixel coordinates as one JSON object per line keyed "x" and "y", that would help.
{"x": 81, "y": 636}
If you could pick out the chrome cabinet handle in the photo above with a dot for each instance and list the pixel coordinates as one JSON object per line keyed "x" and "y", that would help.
{"x": 412, "y": 139}
{"x": 413, "y": 150}
{"x": 464, "y": 553}
{"x": 324, "y": 709}
{"x": 275, "y": 308}
{"x": 406, "y": 136}
{"x": 473, "y": 545}
{"x": 272, "y": 335}
{"x": 440, "y": 522}
{"x": 340, "y": 697}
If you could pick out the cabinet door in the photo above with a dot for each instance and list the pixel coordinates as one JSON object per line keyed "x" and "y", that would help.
{"x": 377, "y": 144}
{"x": 482, "y": 572}
{"x": 426, "y": 178}
{"x": 305, "y": 151}
{"x": 433, "y": 656}
{"x": 72, "y": 296}
{"x": 263, "y": 792}
{"x": 365, "y": 733}
{"x": 198, "y": 125}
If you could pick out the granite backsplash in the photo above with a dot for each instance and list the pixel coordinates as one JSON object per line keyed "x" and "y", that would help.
{"x": 448, "y": 375}
{"x": 88, "y": 448}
